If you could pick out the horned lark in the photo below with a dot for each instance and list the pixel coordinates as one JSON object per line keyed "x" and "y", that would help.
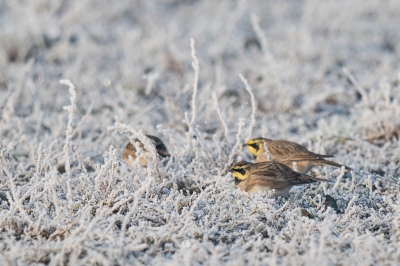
{"x": 287, "y": 152}
{"x": 252, "y": 177}
{"x": 130, "y": 151}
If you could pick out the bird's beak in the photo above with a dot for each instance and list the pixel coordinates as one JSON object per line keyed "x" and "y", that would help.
{"x": 245, "y": 145}
{"x": 230, "y": 170}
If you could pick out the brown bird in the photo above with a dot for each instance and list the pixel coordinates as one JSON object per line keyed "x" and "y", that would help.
{"x": 287, "y": 152}
{"x": 130, "y": 151}
{"x": 253, "y": 177}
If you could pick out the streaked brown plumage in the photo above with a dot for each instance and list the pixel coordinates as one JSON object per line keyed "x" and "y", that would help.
{"x": 131, "y": 151}
{"x": 252, "y": 177}
{"x": 287, "y": 152}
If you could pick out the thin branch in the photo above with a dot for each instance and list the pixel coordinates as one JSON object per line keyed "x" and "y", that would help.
{"x": 69, "y": 135}
{"x": 269, "y": 156}
{"x": 237, "y": 149}
{"x": 360, "y": 89}
{"x": 196, "y": 68}
{"x": 226, "y": 130}
{"x": 253, "y": 107}
{"x": 255, "y": 21}
{"x": 339, "y": 178}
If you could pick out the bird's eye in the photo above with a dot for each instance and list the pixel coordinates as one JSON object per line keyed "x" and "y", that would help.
{"x": 241, "y": 171}
{"x": 255, "y": 146}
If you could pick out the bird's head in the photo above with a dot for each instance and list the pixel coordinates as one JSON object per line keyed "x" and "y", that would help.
{"x": 256, "y": 146}
{"x": 241, "y": 170}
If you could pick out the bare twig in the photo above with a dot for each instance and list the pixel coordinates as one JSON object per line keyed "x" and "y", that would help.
{"x": 255, "y": 21}
{"x": 69, "y": 136}
{"x": 226, "y": 130}
{"x": 237, "y": 149}
{"x": 253, "y": 107}
{"x": 360, "y": 89}
{"x": 269, "y": 156}
{"x": 196, "y": 68}
{"x": 339, "y": 178}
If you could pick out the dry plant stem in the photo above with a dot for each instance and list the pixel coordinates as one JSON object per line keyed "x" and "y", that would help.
{"x": 369, "y": 183}
{"x": 202, "y": 145}
{"x": 226, "y": 129}
{"x": 196, "y": 68}
{"x": 105, "y": 212}
{"x": 83, "y": 119}
{"x": 62, "y": 231}
{"x": 68, "y": 137}
{"x": 189, "y": 214}
{"x": 360, "y": 89}
{"x": 237, "y": 149}
{"x": 17, "y": 201}
{"x": 38, "y": 163}
{"x": 217, "y": 143}
{"x": 191, "y": 122}
{"x": 123, "y": 128}
{"x": 351, "y": 203}
{"x": 269, "y": 156}
{"x": 353, "y": 181}
{"x": 232, "y": 22}
{"x": 55, "y": 199}
{"x": 34, "y": 187}
{"x": 253, "y": 107}
{"x": 127, "y": 219}
{"x": 255, "y": 21}
{"x": 339, "y": 178}
{"x": 326, "y": 47}
{"x": 112, "y": 170}
{"x": 41, "y": 183}
{"x": 6, "y": 99}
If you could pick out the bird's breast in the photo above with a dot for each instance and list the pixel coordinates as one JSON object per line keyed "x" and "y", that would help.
{"x": 278, "y": 192}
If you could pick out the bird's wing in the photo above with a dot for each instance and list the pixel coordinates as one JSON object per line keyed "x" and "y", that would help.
{"x": 160, "y": 146}
{"x": 162, "y": 150}
{"x": 279, "y": 173}
{"x": 282, "y": 150}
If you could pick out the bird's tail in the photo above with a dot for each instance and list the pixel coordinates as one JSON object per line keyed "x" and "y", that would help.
{"x": 327, "y": 162}
{"x": 306, "y": 179}
{"x": 326, "y": 155}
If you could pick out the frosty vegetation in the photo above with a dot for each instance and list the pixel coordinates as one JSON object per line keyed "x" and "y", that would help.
{"x": 324, "y": 74}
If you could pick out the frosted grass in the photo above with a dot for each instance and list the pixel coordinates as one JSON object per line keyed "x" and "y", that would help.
{"x": 204, "y": 77}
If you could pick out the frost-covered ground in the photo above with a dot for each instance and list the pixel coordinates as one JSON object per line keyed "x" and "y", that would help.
{"x": 323, "y": 73}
